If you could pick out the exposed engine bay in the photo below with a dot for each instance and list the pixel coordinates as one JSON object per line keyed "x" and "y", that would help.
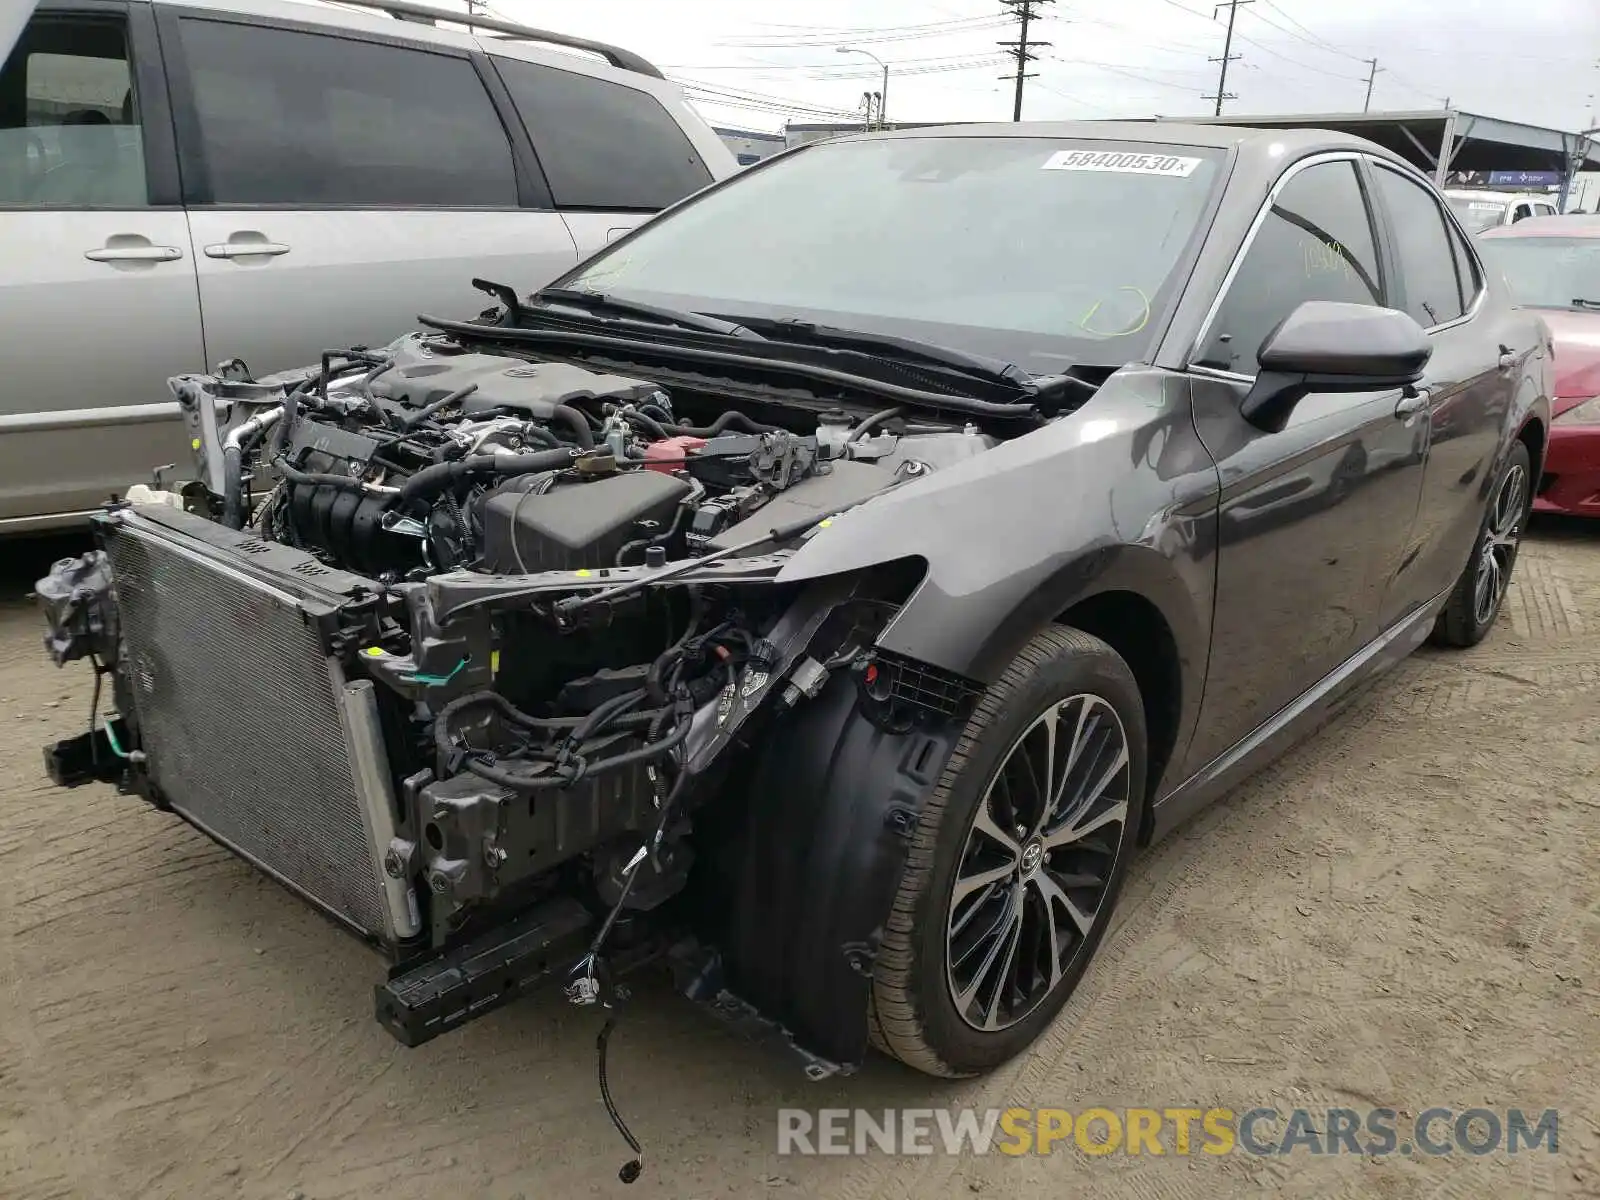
{"x": 480, "y": 652}
{"x": 426, "y": 457}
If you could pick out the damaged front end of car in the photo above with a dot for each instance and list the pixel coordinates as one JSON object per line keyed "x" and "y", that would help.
{"x": 506, "y": 667}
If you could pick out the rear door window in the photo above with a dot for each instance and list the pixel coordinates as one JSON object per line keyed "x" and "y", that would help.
{"x": 602, "y": 145}
{"x": 1316, "y": 243}
{"x": 1466, "y": 267}
{"x": 308, "y": 120}
{"x": 69, "y": 122}
{"x": 1428, "y": 278}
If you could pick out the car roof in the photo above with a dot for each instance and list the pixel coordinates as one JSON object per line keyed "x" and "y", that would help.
{"x": 1570, "y": 226}
{"x": 418, "y": 20}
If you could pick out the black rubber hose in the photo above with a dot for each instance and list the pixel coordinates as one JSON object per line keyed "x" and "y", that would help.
{"x": 233, "y": 513}
{"x": 280, "y": 432}
{"x": 648, "y": 424}
{"x": 539, "y": 433}
{"x": 430, "y": 481}
{"x": 311, "y": 478}
{"x": 365, "y": 384}
{"x": 732, "y": 417}
{"x": 233, "y": 487}
{"x": 422, "y": 414}
{"x": 877, "y": 418}
{"x": 577, "y": 422}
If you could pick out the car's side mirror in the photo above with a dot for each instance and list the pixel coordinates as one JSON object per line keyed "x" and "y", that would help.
{"x": 1327, "y": 346}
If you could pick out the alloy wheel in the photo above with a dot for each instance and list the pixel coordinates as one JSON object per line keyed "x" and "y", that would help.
{"x": 1037, "y": 863}
{"x": 1499, "y": 548}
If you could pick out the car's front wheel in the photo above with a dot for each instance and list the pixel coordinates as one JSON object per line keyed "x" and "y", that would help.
{"x": 1017, "y": 860}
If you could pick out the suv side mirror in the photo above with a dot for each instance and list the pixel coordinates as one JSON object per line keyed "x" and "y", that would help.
{"x": 1328, "y": 346}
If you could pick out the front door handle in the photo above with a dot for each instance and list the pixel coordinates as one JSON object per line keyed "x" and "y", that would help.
{"x": 244, "y": 249}
{"x": 1413, "y": 401}
{"x": 1508, "y": 358}
{"x": 145, "y": 253}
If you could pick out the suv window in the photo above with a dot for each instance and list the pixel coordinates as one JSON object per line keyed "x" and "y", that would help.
{"x": 1427, "y": 262}
{"x": 308, "y": 119}
{"x": 602, "y": 145}
{"x": 69, "y": 122}
{"x": 1521, "y": 213}
{"x": 1316, "y": 243}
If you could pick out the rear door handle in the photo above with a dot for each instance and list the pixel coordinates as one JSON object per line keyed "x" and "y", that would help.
{"x": 134, "y": 254}
{"x": 244, "y": 249}
{"x": 1411, "y": 403}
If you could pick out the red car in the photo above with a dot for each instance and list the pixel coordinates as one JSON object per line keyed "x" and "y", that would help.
{"x": 1553, "y": 265}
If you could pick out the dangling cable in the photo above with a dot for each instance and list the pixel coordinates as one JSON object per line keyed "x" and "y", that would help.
{"x": 634, "y": 1167}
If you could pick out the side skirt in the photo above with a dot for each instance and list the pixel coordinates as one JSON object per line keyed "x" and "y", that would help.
{"x": 1290, "y": 724}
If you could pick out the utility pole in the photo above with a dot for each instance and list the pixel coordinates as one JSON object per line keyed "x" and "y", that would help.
{"x": 1227, "y": 54}
{"x": 1024, "y": 11}
{"x": 1371, "y": 76}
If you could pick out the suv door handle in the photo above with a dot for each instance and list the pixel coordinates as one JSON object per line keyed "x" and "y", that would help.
{"x": 134, "y": 254}
{"x": 1411, "y": 403}
{"x": 1508, "y": 358}
{"x": 244, "y": 249}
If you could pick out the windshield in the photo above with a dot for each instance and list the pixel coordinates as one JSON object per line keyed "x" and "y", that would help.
{"x": 1547, "y": 272}
{"x": 1477, "y": 215}
{"x": 1041, "y": 252}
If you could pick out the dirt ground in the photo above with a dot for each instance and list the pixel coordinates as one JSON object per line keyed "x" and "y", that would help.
{"x": 1404, "y": 912}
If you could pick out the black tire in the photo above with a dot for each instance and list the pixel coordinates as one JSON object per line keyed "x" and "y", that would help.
{"x": 914, "y": 1014}
{"x": 1475, "y": 600}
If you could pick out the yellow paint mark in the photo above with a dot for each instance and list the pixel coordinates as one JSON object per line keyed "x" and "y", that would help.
{"x": 195, "y": 445}
{"x": 585, "y": 573}
{"x": 825, "y": 524}
{"x": 374, "y": 652}
{"x": 494, "y": 662}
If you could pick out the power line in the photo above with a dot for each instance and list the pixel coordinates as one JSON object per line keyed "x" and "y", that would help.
{"x": 877, "y": 37}
{"x": 897, "y": 63}
{"x": 718, "y": 94}
{"x": 854, "y": 32}
{"x": 1023, "y": 12}
{"x": 1305, "y": 35}
{"x": 971, "y": 64}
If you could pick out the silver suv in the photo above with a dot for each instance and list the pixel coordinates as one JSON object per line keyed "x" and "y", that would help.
{"x": 192, "y": 182}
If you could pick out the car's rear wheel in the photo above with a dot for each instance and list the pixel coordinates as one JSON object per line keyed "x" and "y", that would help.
{"x": 1017, "y": 860}
{"x": 1475, "y": 602}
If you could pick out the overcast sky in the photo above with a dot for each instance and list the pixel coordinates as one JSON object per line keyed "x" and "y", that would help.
{"x": 1527, "y": 60}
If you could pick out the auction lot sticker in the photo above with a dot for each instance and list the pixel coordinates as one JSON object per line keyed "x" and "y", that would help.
{"x": 1122, "y": 162}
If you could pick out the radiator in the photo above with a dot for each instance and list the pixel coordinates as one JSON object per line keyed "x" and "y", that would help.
{"x": 250, "y": 729}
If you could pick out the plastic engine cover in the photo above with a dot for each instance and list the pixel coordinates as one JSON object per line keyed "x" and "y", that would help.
{"x": 575, "y": 525}
{"x": 422, "y": 375}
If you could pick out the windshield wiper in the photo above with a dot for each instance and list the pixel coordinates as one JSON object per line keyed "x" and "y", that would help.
{"x": 795, "y": 330}
{"x": 1580, "y": 302}
{"x": 598, "y": 302}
